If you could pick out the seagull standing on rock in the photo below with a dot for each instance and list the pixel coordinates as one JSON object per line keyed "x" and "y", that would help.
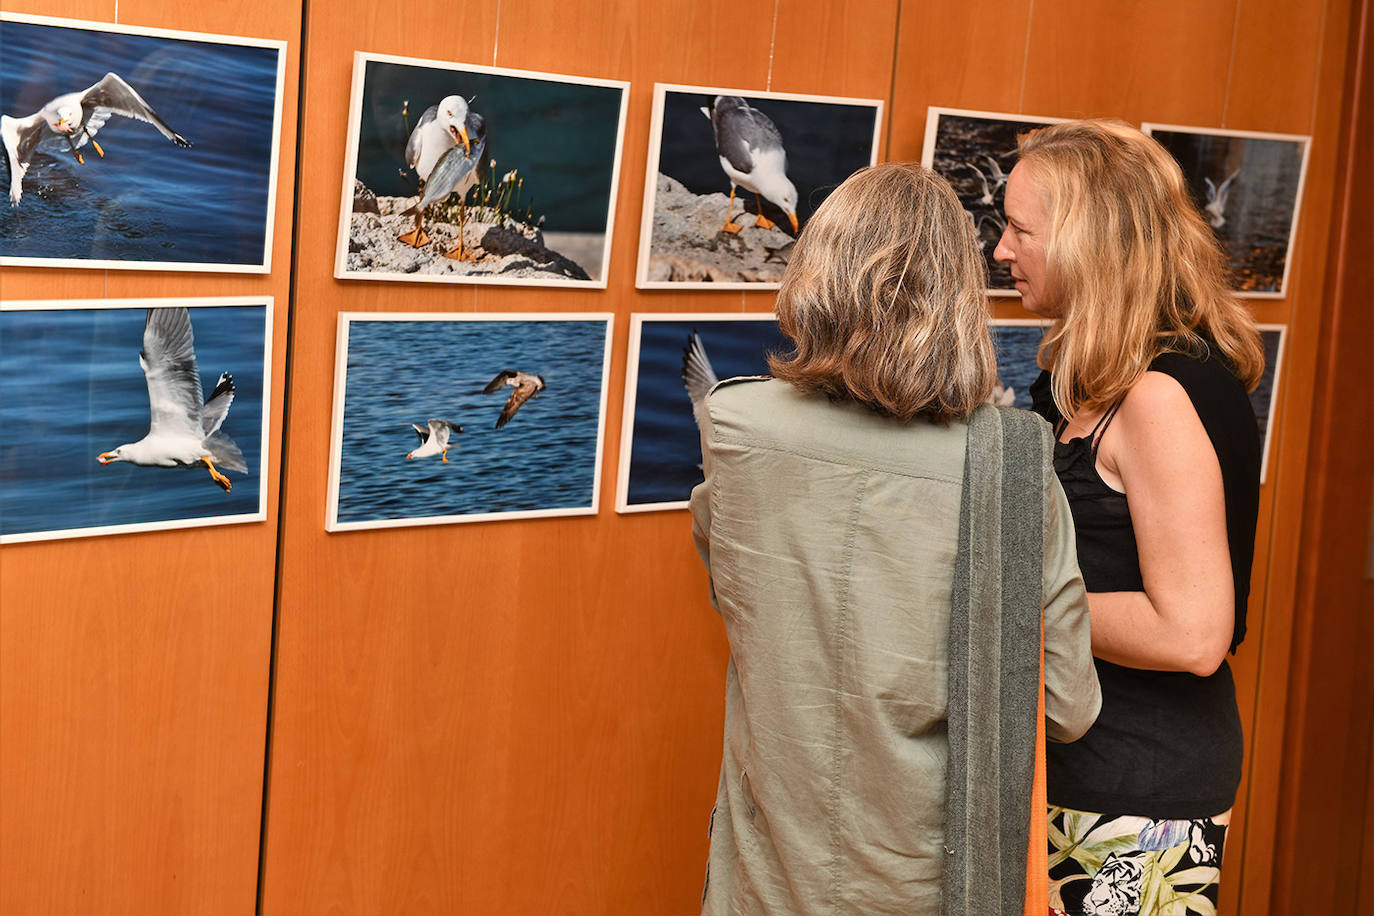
{"x": 76, "y": 117}
{"x": 448, "y": 151}
{"x": 182, "y": 431}
{"x": 752, "y": 155}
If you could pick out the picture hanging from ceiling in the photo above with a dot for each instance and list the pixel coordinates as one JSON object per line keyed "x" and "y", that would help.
{"x": 137, "y": 148}
{"x": 162, "y": 407}
{"x": 733, "y": 176}
{"x": 1249, "y": 188}
{"x": 674, "y": 360}
{"x": 442, "y": 418}
{"x": 975, "y": 152}
{"x": 466, "y": 174}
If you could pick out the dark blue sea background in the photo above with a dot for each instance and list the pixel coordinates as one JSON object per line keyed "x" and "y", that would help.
{"x": 147, "y": 199}
{"x": 825, "y": 142}
{"x": 1262, "y": 199}
{"x": 1262, "y": 398}
{"x": 71, "y": 388}
{"x": 560, "y": 136}
{"x": 665, "y": 456}
{"x": 1016, "y": 346}
{"x": 408, "y": 372}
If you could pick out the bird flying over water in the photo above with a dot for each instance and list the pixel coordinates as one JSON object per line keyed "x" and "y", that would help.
{"x": 752, "y": 155}
{"x": 697, "y": 375}
{"x": 526, "y": 386}
{"x": 434, "y": 439}
{"x": 75, "y": 117}
{"x": 182, "y": 431}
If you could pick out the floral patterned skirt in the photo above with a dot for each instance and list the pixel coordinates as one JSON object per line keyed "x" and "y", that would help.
{"x": 1123, "y": 865}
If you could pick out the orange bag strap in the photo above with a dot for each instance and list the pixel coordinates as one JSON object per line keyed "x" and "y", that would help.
{"x": 1037, "y": 855}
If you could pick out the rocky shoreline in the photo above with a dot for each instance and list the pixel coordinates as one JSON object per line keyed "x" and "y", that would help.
{"x": 688, "y": 245}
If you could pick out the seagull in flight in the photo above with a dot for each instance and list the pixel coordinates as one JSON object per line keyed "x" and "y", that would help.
{"x": 75, "y": 117}
{"x": 526, "y": 386}
{"x": 1216, "y": 200}
{"x": 434, "y": 439}
{"x": 697, "y": 375}
{"x": 183, "y": 431}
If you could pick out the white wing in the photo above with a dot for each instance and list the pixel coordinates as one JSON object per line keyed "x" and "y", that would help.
{"x": 169, "y": 366}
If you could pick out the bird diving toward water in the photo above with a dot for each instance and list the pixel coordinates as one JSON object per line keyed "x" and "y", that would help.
{"x": 752, "y": 155}
{"x": 434, "y": 439}
{"x": 75, "y": 118}
{"x": 446, "y": 165}
{"x": 526, "y": 386}
{"x": 697, "y": 375}
{"x": 183, "y": 431}
{"x": 1215, "y": 208}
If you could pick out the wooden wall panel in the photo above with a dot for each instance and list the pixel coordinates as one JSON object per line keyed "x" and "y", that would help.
{"x": 550, "y": 740}
{"x": 134, "y": 668}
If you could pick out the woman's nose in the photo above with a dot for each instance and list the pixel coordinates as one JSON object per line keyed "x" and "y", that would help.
{"x": 1003, "y": 250}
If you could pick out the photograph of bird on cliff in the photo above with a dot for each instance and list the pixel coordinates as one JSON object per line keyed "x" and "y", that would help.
{"x": 466, "y": 174}
{"x": 129, "y": 415}
{"x": 512, "y": 406}
{"x": 136, "y": 148}
{"x": 975, "y": 151}
{"x": 733, "y": 177}
{"x": 1249, "y": 189}
{"x": 674, "y": 360}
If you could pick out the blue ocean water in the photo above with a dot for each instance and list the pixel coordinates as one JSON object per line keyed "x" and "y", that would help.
{"x": 147, "y": 199}
{"x": 71, "y": 388}
{"x": 1016, "y": 346}
{"x": 1262, "y": 398}
{"x": 560, "y": 136}
{"x": 404, "y": 372}
{"x": 665, "y": 456}
{"x": 825, "y": 142}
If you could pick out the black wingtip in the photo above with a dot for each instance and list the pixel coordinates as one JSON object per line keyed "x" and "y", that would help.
{"x": 181, "y": 141}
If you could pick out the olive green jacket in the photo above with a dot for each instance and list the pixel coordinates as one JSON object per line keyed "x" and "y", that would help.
{"x": 830, "y": 536}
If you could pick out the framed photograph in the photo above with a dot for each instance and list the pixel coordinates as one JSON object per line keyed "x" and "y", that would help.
{"x": 1249, "y": 188}
{"x": 733, "y": 176}
{"x": 1264, "y": 397}
{"x": 457, "y": 173}
{"x": 1017, "y": 342}
{"x": 442, "y": 418}
{"x": 975, "y": 152}
{"x": 674, "y": 360}
{"x": 137, "y": 148}
{"x": 121, "y": 415}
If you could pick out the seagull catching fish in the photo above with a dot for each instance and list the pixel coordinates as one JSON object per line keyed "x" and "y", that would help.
{"x": 182, "y": 431}
{"x": 75, "y": 117}
{"x": 455, "y": 171}
{"x": 434, "y": 439}
{"x": 752, "y": 155}
{"x": 440, "y": 129}
{"x": 526, "y": 386}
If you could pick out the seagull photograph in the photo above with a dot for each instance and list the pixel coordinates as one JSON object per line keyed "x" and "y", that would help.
{"x": 674, "y": 361}
{"x": 1248, "y": 187}
{"x": 975, "y": 151}
{"x": 1016, "y": 342}
{"x": 733, "y": 177}
{"x": 531, "y": 435}
{"x": 128, "y": 415}
{"x": 136, "y": 150}
{"x": 465, "y": 174}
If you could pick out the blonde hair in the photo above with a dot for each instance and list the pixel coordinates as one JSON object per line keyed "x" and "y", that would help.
{"x": 884, "y": 299}
{"x": 1136, "y": 269}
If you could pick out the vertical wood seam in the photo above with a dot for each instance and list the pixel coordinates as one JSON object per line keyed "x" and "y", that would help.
{"x": 495, "y": 38}
{"x": 772, "y": 43}
{"x": 1231, "y": 62}
{"x": 1025, "y": 58}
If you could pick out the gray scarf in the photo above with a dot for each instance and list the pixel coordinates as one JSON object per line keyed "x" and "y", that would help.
{"x": 994, "y": 663}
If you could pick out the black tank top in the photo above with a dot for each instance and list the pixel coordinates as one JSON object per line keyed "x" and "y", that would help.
{"x": 1166, "y": 744}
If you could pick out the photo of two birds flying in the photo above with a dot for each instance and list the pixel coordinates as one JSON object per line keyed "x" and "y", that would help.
{"x": 436, "y": 436}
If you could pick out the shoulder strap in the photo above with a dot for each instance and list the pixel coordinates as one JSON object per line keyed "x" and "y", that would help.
{"x": 994, "y": 663}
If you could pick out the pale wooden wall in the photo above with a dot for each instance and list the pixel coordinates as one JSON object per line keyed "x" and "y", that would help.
{"x": 550, "y": 742}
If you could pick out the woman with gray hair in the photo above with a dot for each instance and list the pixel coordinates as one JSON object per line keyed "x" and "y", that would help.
{"x": 884, "y": 551}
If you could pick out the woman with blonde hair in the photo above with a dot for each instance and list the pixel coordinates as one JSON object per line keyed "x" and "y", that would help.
{"x": 884, "y": 624}
{"x": 1148, "y": 359}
